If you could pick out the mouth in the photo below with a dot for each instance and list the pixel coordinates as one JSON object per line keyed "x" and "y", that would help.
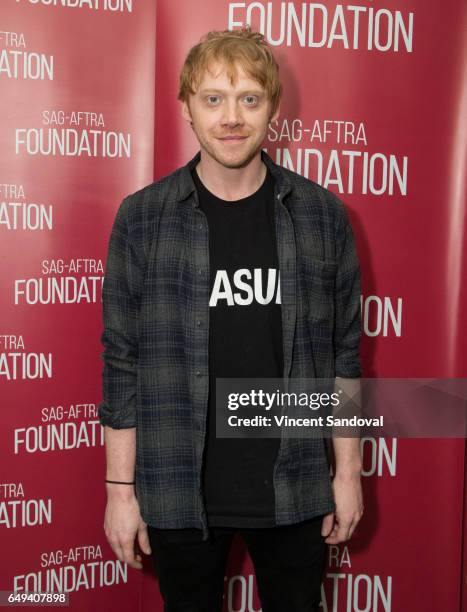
{"x": 233, "y": 138}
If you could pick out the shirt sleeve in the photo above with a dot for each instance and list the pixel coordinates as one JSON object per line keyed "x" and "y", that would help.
{"x": 121, "y": 294}
{"x": 347, "y": 324}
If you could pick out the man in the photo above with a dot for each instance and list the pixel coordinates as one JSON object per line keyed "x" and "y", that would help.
{"x": 229, "y": 267}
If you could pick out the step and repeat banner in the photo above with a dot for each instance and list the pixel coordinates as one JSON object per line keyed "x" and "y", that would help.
{"x": 374, "y": 107}
{"x": 76, "y": 136}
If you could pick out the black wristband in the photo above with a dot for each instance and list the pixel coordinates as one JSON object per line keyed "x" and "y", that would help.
{"x": 119, "y": 482}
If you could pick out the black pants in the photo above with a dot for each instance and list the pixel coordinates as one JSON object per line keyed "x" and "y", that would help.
{"x": 288, "y": 562}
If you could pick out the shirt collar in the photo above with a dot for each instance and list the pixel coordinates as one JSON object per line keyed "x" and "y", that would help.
{"x": 186, "y": 185}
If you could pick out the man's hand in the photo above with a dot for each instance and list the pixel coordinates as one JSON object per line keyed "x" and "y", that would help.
{"x": 121, "y": 525}
{"x": 339, "y": 526}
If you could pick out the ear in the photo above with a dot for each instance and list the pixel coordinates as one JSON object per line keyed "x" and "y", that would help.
{"x": 275, "y": 116}
{"x": 186, "y": 112}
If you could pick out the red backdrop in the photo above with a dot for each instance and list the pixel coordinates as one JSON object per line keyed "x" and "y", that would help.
{"x": 76, "y": 136}
{"x": 375, "y": 114}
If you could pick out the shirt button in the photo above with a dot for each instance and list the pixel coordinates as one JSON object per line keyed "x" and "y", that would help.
{"x": 200, "y": 226}
{"x": 198, "y": 372}
{"x": 200, "y": 271}
{"x": 198, "y": 323}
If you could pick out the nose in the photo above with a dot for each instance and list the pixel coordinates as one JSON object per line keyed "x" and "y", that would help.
{"x": 232, "y": 116}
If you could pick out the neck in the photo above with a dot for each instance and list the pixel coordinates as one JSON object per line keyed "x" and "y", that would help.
{"x": 231, "y": 183}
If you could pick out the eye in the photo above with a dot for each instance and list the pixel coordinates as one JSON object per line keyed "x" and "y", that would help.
{"x": 251, "y": 100}
{"x": 212, "y": 100}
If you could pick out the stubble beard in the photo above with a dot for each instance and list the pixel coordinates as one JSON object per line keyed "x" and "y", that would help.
{"x": 240, "y": 162}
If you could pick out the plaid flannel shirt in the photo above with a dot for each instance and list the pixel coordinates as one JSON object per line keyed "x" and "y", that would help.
{"x": 156, "y": 326}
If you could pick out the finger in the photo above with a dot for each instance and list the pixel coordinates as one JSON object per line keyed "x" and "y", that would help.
{"x": 344, "y": 531}
{"x": 331, "y": 539}
{"x": 118, "y": 551}
{"x": 327, "y": 524}
{"x": 129, "y": 554}
{"x": 340, "y": 533}
{"x": 353, "y": 527}
{"x": 143, "y": 540}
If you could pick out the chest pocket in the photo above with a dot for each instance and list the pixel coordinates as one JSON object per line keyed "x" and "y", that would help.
{"x": 317, "y": 279}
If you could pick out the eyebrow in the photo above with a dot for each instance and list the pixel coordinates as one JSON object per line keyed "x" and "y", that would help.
{"x": 256, "y": 92}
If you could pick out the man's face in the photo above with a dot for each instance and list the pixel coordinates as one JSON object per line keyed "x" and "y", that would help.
{"x": 230, "y": 121}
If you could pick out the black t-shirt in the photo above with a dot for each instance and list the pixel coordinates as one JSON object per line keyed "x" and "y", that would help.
{"x": 245, "y": 341}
